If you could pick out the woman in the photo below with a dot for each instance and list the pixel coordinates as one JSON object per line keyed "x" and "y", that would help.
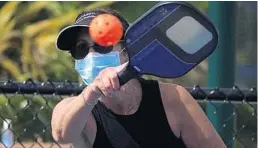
{"x": 141, "y": 113}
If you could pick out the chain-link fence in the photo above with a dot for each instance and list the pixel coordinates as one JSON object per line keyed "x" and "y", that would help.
{"x": 27, "y": 107}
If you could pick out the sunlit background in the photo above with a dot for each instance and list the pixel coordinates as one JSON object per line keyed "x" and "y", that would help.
{"x": 28, "y": 31}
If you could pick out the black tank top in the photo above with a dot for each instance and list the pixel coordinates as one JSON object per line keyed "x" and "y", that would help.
{"x": 149, "y": 126}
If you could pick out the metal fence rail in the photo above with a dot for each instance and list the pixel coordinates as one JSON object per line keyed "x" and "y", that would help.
{"x": 29, "y": 106}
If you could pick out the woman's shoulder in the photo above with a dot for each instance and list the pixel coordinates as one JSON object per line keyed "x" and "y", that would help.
{"x": 175, "y": 94}
{"x": 170, "y": 86}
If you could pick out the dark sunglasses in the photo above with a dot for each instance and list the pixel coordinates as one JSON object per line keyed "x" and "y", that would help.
{"x": 81, "y": 49}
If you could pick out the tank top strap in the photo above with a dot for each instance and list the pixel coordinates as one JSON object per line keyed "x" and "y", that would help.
{"x": 149, "y": 87}
{"x": 151, "y": 96}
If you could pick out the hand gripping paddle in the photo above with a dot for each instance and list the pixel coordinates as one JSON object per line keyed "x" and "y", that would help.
{"x": 168, "y": 41}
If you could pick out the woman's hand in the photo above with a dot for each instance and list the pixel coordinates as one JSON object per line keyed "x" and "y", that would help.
{"x": 107, "y": 82}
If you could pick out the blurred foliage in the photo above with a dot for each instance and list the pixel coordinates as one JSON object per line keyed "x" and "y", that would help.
{"x": 28, "y": 31}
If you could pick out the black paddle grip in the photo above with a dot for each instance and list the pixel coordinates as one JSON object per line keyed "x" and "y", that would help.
{"x": 126, "y": 75}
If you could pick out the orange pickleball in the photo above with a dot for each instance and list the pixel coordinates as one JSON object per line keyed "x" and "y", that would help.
{"x": 106, "y": 30}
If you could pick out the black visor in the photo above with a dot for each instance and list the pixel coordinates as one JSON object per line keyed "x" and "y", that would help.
{"x": 67, "y": 37}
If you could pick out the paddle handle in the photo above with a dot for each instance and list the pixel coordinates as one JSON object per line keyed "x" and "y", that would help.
{"x": 127, "y": 74}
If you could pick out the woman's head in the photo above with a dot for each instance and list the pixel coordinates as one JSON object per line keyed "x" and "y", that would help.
{"x": 76, "y": 39}
{"x": 91, "y": 58}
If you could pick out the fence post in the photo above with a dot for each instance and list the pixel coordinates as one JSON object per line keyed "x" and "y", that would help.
{"x": 221, "y": 71}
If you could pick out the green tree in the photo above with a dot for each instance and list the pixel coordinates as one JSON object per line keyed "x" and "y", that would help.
{"x": 28, "y": 33}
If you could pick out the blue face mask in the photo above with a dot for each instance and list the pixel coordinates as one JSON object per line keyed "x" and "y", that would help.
{"x": 94, "y": 62}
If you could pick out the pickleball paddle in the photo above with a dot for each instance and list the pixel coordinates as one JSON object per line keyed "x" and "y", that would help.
{"x": 168, "y": 41}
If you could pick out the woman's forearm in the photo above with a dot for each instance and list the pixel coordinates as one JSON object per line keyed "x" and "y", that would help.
{"x": 70, "y": 116}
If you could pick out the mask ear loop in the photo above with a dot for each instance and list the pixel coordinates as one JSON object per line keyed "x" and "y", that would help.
{"x": 122, "y": 41}
{"x": 122, "y": 50}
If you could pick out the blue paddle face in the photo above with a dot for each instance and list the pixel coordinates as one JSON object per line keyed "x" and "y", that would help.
{"x": 170, "y": 39}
